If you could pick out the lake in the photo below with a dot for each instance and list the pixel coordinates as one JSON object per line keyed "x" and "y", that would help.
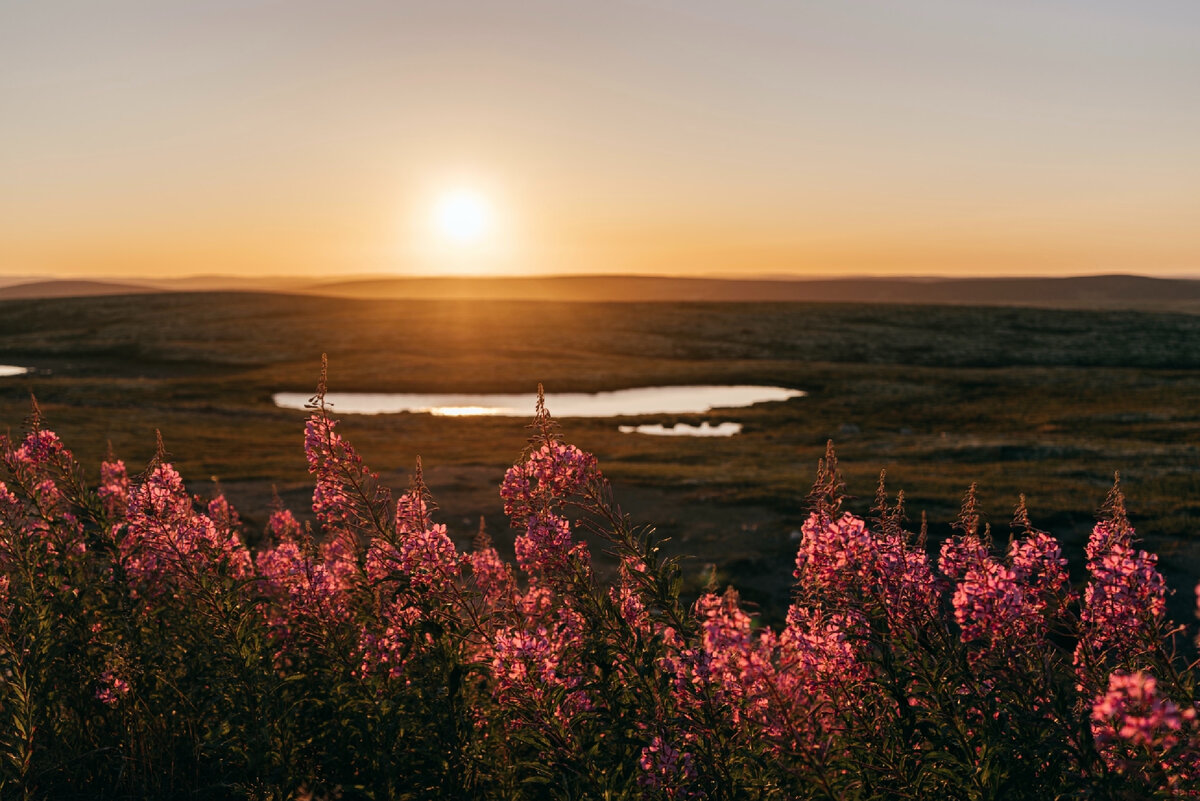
{"x": 684, "y": 430}
{"x": 621, "y": 403}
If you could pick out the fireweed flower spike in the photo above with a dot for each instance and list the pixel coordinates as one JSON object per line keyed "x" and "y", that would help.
{"x": 1123, "y": 618}
{"x": 534, "y": 492}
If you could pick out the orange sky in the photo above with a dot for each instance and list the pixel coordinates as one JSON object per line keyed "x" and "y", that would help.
{"x": 167, "y": 138}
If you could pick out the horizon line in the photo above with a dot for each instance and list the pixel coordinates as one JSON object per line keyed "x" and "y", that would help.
{"x": 13, "y": 279}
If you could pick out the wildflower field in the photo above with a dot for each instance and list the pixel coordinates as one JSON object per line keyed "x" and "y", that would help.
{"x": 146, "y": 652}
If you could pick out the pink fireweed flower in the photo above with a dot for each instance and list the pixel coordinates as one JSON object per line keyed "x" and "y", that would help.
{"x": 427, "y": 558}
{"x": 533, "y": 490}
{"x": 821, "y": 646}
{"x": 12, "y": 522}
{"x": 536, "y": 659}
{"x": 1039, "y": 562}
{"x": 1124, "y": 604}
{"x": 10, "y": 504}
{"x": 41, "y": 448}
{"x": 340, "y": 560}
{"x": 310, "y": 596}
{"x": 282, "y": 526}
{"x": 166, "y": 537}
{"x": 545, "y": 544}
{"x": 493, "y": 577}
{"x": 47, "y": 496}
{"x": 552, "y": 472}
{"x": 666, "y": 771}
{"x": 228, "y": 527}
{"x": 412, "y": 512}
{"x": 223, "y": 515}
{"x": 902, "y": 580}
{"x": 517, "y": 491}
{"x": 842, "y": 560}
{"x": 111, "y": 688}
{"x": 1141, "y": 733}
{"x": 1132, "y": 711}
{"x": 280, "y": 566}
{"x": 528, "y": 661}
{"x": 560, "y": 468}
{"x": 794, "y": 685}
{"x": 388, "y": 649}
{"x": 37, "y": 466}
{"x": 427, "y": 554}
{"x": 1106, "y": 535}
{"x": 1002, "y": 607}
{"x": 114, "y": 488}
{"x": 832, "y": 552}
{"x": 537, "y": 602}
{"x": 343, "y": 482}
{"x": 961, "y": 553}
{"x": 1126, "y": 591}
{"x": 990, "y": 604}
{"x": 725, "y": 631}
{"x": 523, "y": 656}
{"x": 727, "y": 663}
{"x": 786, "y": 688}
{"x": 382, "y": 561}
{"x": 424, "y": 553}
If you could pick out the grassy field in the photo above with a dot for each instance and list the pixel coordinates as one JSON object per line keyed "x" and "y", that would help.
{"x": 1038, "y": 401}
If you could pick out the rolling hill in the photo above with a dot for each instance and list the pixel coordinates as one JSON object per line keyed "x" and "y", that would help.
{"x": 1082, "y": 292}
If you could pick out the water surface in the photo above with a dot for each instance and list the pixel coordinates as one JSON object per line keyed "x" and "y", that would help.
{"x": 623, "y": 402}
{"x": 684, "y": 430}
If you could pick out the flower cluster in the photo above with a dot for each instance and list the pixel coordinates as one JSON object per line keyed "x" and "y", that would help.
{"x": 1144, "y": 733}
{"x": 1002, "y": 607}
{"x": 111, "y": 688}
{"x": 166, "y": 541}
{"x": 1124, "y": 603}
{"x": 346, "y": 494}
{"x": 1133, "y": 712}
{"x": 554, "y": 470}
{"x": 842, "y": 562}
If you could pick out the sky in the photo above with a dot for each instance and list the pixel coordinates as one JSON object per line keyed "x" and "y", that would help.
{"x": 743, "y": 138}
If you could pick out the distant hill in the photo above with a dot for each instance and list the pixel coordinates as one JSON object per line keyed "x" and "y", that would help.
{"x": 229, "y": 283}
{"x": 1093, "y": 292}
{"x": 199, "y": 283}
{"x": 1083, "y": 292}
{"x": 69, "y": 289}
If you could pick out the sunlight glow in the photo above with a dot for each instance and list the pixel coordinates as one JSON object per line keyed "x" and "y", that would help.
{"x": 463, "y": 216}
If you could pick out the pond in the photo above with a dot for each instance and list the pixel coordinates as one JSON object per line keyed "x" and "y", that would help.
{"x": 684, "y": 430}
{"x": 12, "y": 369}
{"x": 621, "y": 403}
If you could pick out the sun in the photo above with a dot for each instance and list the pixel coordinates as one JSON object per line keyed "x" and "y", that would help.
{"x": 461, "y": 225}
{"x": 463, "y": 217}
